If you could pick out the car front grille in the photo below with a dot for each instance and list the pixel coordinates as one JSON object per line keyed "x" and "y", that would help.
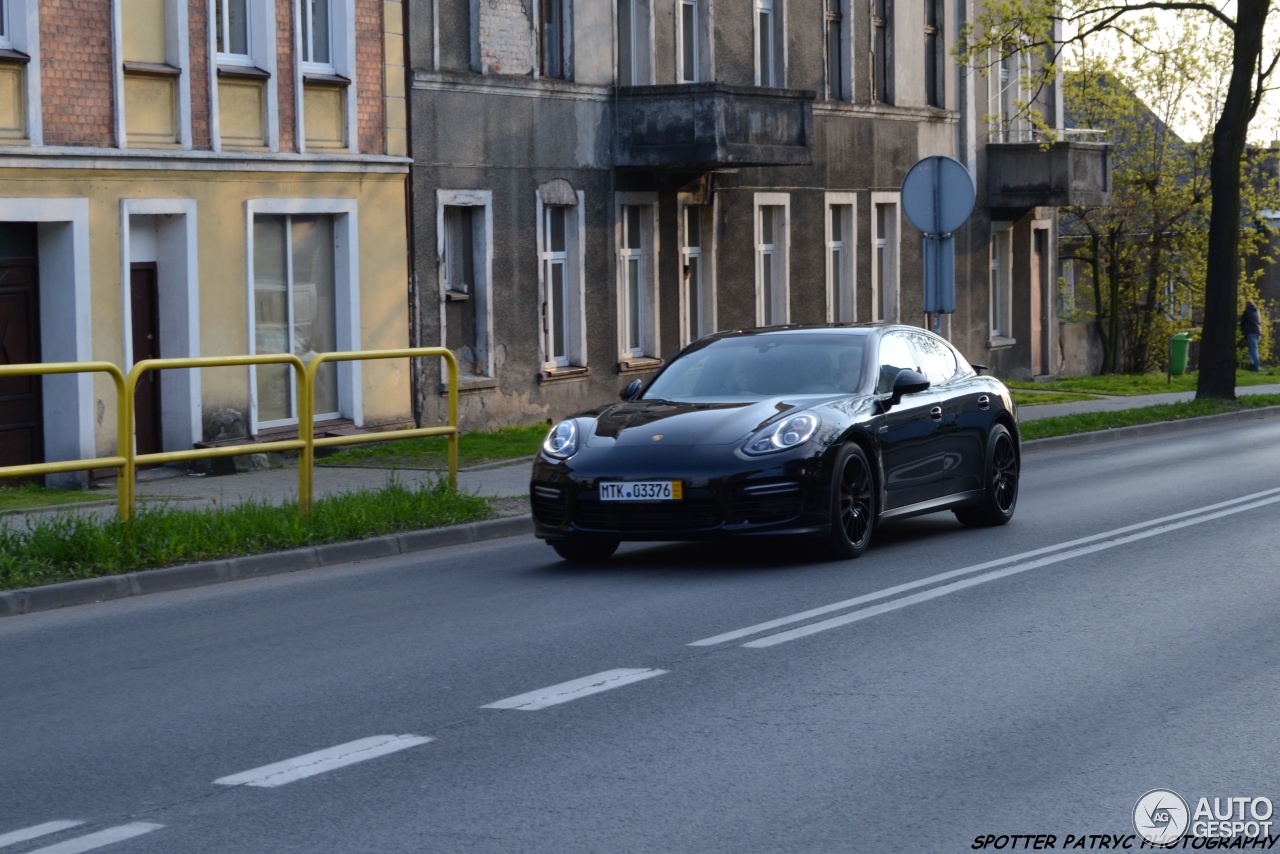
{"x": 765, "y": 503}
{"x": 692, "y": 514}
{"x": 549, "y": 505}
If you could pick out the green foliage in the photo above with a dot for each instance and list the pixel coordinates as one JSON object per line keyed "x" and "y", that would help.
{"x": 29, "y": 495}
{"x": 505, "y": 443}
{"x": 1066, "y": 425}
{"x": 70, "y": 546}
{"x": 1122, "y": 385}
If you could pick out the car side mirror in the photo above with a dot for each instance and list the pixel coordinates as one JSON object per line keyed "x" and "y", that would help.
{"x": 907, "y": 382}
{"x": 632, "y": 391}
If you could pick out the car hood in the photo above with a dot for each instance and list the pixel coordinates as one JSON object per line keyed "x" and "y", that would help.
{"x": 648, "y": 422}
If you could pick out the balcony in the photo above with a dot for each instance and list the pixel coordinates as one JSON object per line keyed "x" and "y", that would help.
{"x": 706, "y": 125}
{"x": 1026, "y": 175}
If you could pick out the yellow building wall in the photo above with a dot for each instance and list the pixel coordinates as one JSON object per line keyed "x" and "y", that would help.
{"x": 13, "y": 101}
{"x": 221, "y": 228}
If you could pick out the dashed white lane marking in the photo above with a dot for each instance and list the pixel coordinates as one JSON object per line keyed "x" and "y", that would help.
{"x": 35, "y": 832}
{"x": 101, "y": 838}
{"x": 884, "y": 607}
{"x": 758, "y": 628}
{"x": 566, "y": 691}
{"x": 300, "y": 767}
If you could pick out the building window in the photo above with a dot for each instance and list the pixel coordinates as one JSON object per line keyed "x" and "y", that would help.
{"x": 884, "y": 258}
{"x": 773, "y": 227}
{"x": 6, "y": 38}
{"x": 687, "y": 38}
{"x": 560, "y": 273}
{"x": 635, "y": 67}
{"x": 1067, "y": 290}
{"x": 841, "y": 304}
{"x": 464, "y": 228}
{"x": 1010, "y": 96}
{"x": 770, "y": 43}
{"x": 836, "y": 44}
{"x": 637, "y": 215}
{"x": 294, "y": 310}
{"x": 882, "y": 50}
{"x": 232, "y": 32}
{"x": 551, "y": 37}
{"x": 697, "y": 301}
{"x": 934, "y": 55}
{"x": 317, "y": 36}
{"x": 1001, "y": 285}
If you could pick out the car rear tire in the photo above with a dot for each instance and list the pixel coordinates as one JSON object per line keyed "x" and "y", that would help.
{"x": 853, "y": 503}
{"x": 585, "y": 549}
{"x": 1000, "y": 490}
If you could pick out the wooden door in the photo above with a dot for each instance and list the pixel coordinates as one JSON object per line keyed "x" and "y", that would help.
{"x": 21, "y": 410}
{"x": 145, "y": 301}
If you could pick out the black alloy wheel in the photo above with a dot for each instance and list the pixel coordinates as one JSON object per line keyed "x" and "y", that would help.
{"x": 853, "y": 503}
{"x": 585, "y": 549}
{"x": 1000, "y": 493}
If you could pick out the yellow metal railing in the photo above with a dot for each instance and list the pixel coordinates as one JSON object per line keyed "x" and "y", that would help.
{"x": 127, "y": 460}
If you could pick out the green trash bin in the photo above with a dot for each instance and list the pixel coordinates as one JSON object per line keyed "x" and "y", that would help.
{"x": 1178, "y": 346}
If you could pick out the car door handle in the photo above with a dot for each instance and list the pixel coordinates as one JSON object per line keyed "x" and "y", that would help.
{"x": 984, "y": 402}
{"x": 936, "y": 413}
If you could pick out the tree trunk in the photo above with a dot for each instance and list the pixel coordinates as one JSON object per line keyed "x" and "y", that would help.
{"x": 1217, "y": 377}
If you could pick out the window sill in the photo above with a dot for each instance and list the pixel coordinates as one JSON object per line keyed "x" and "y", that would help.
{"x": 468, "y": 384}
{"x": 570, "y": 372}
{"x": 152, "y": 69}
{"x": 639, "y": 364}
{"x": 244, "y": 72}
{"x": 14, "y": 57}
{"x": 1000, "y": 343}
{"x": 456, "y": 296}
{"x": 318, "y": 79}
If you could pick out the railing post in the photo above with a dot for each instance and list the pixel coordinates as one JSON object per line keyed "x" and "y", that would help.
{"x": 306, "y": 432}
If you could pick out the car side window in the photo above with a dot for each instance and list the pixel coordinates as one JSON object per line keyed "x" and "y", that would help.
{"x": 896, "y": 355}
{"x": 937, "y": 359}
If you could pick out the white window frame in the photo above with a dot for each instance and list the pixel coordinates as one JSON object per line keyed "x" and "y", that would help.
{"x": 842, "y": 278}
{"x": 262, "y": 55}
{"x": 306, "y": 35}
{"x": 777, "y": 256}
{"x": 346, "y": 290}
{"x": 6, "y": 39}
{"x": 220, "y": 26}
{"x": 770, "y": 42}
{"x": 886, "y": 257}
{"x": 575, "y": 332}
{"x": 935, "y": 35}
{"x": 1008, "y": 89}
{"x": 646, "y": 256}
{"x": 1000, "y": 293}
{"x": 342, "y": 35}
{"x": 23, "y": 35}
{"x": 639, "y": 14}
{"x": 684, "y": 38}
{"x": 692, "y": 328}
{"x": 177, "y": 49}
{"x": 482, "y": 289}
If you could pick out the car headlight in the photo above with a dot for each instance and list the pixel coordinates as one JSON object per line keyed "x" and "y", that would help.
{"x": 562, "y": 441}
{"x": 788, "y": 433}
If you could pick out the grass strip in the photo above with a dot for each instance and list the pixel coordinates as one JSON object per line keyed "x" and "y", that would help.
{"x": 504, "y": 443}
{"x": 1065, "y": 425}
{"x": 70, "y": 546}
{"x": 1130, "y": 384}
{"x": 30, "y": 495}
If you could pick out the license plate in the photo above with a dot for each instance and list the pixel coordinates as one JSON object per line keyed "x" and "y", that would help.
{"x": 642, "y": 490}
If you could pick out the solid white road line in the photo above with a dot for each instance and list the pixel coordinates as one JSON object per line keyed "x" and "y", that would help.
{"x": 566, "y": 691}
{"x": 855, "y": 616}
{"x": 28, "y": 833}
{"x": 758, "y": 628}
{"x": 300, "y": 767}
{"x": 102, "y": 837}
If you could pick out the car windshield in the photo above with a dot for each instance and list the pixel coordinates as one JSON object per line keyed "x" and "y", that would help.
{"x": 752, "y": 367}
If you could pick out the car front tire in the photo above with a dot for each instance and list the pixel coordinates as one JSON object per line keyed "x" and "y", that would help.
{"x": 1000, "y": 488}
{"x": 585, "y": 549}
{"x": 853, "y": 503}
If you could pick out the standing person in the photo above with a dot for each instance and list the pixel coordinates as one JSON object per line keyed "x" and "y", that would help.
{"x": 1251, "y": 326}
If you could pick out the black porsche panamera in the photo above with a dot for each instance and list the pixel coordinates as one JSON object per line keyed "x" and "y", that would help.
{"x": 818, "y": 432}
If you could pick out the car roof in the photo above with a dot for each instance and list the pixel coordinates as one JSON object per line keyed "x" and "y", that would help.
{"x": 861, "y": 329}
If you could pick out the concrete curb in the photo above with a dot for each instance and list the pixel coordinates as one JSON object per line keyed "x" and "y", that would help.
{"x": 90, "y": 590}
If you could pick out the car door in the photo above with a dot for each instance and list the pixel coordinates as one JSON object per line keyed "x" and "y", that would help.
{"x": 960, "y": 435}
{"x": 908, "y": 434}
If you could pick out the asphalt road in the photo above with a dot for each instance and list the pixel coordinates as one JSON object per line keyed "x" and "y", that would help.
{"x": 1121, "y": 635}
